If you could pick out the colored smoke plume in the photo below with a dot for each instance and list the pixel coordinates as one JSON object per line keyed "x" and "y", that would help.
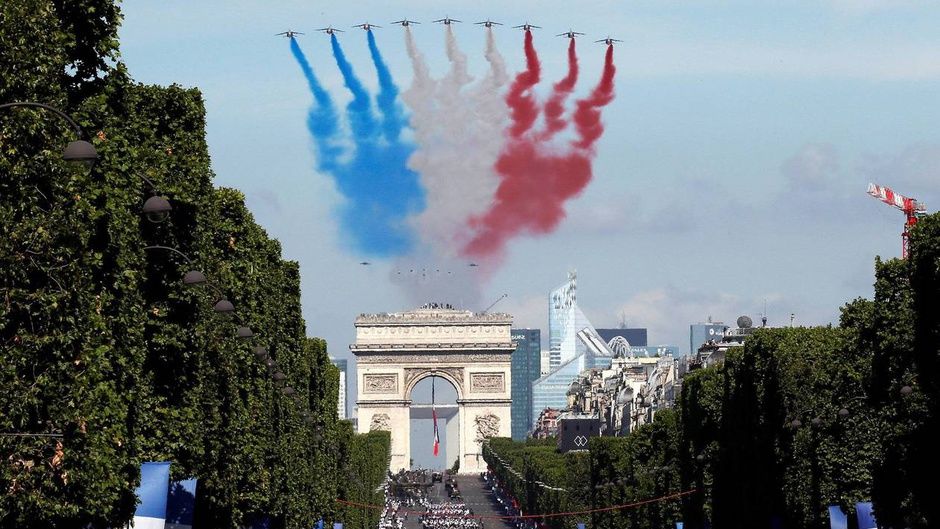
{"x": 387, "y": 100}
{"x": 536, "y": 181}
{"x": 587, "y": 116}
{"x": 555, "y": 106}
{"x": 322, "y": 117}
{"x": 371, "y": 174}
{"x": 522, "y": 104}
{"x": 458, "y": 128}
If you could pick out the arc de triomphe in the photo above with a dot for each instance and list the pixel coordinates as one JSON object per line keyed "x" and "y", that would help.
{"x": 395, "y": 351}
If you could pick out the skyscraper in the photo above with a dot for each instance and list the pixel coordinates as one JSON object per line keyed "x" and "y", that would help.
{"x": 574, "y": 346}
{"x": 526, "y": 360}
{"x": 343, "y": 365}
{"x": 565, "y": 321}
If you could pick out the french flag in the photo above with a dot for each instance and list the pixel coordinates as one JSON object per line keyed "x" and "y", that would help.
{"x": 437, "y": 439}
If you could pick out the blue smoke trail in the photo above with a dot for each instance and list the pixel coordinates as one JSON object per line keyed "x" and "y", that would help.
{"x": 322, "y": 118}
{"x": 359, "y": 109}
{"x": 380, "y": 191}
{"x": 393, "y": 120}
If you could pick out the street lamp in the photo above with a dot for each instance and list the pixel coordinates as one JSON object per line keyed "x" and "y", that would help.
{"x": 157, "y": 209}
{"x": 78, "y": 150}
{"x": 224, "y": 307}
{"x": 245, "y": 332}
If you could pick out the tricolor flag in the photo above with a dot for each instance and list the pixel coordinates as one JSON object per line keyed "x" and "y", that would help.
{"x": 437, "y": 439}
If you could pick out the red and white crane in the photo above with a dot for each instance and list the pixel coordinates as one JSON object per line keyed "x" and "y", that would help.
{"x": 912, "y": 209}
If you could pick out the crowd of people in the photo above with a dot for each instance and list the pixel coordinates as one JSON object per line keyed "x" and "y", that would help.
{"x": 450, "y": 515}
{"x": 408, "y": 494}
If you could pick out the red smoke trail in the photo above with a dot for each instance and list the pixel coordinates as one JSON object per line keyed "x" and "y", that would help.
{"x": 587, "y": 116}
{"x": 520, "y": 99}
{"x": 555, "y": 106}
{"x": 535, "y": 182}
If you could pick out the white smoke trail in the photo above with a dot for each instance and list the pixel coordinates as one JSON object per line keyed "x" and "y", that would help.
{"x": 459, "y": 134}
{"x": 458, "y": 129}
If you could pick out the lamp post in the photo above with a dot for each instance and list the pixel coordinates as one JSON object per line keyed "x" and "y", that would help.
{"x": 156, "y": 208}
{"x": 195, "y": 277}
{"x": 79, "y": 150}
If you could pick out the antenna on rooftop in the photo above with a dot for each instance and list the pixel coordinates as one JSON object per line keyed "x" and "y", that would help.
{"x": 487, "y": 309}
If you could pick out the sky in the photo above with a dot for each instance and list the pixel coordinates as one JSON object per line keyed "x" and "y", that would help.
{"x": 732, "y": 171}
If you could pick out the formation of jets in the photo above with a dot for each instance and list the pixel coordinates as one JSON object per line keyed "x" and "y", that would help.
{"x": 330, "y": 30}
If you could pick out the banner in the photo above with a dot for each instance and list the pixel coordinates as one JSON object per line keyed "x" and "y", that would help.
{"x": 837, "y": 518}
{"x": 866, "y": 518}
{"x": 180, "y": 504}
{"x": 154, "y": 481}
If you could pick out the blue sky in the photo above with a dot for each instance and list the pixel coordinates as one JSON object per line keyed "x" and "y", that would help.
{"x": 733, "y": 169}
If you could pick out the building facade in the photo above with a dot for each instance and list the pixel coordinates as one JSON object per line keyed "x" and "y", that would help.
{"x": 574, "y": 345}
{"x": 636, "y": 337}
{"x": 343, "y": 365}
{"x": 526, "y": 368}
{"x": 700, "y": 333}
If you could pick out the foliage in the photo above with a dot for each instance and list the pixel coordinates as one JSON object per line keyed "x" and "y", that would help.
{"x": 100, "y": 341}
{"x": 364, "y": 460}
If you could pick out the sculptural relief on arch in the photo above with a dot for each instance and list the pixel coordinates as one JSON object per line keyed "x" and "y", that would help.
{"x": 472, "y": 351}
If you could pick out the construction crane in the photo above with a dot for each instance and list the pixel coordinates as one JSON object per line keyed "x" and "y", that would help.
{"x": 912, "y": 209}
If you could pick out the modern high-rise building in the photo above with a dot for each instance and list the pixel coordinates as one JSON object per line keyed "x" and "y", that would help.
{"x": 574, "y": 346}
{"x": 526, "y": 368}
{"x": 565, "y": 321}
{"x": 343, "y": 366}
{"x": 700, "y": 333}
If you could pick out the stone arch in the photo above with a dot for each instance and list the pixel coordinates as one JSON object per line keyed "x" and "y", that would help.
{"x": 452, "y": 375}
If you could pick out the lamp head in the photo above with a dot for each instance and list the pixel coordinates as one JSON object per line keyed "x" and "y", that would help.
{"x": 80, "y": 151}
{"x": 194, "y": 277}
{"x": 224, "y": 307}
{"x": 157, "y": 209}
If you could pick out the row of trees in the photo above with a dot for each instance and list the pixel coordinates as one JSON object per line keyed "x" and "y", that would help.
{"x": 795, "y": 421}
{"x": 100, "y": 341}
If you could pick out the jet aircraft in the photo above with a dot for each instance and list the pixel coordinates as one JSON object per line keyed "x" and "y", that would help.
{"x": 570, "y": 34}
{"x": 488, "y": 23}
{"x": 473, "y": 264}
{"x": 446, "y": 21}
{"x": 405, "y": 22}
{"x": 329, "y": 30}
{"x": 366, "y": 26}
{"x": 365, "y": 263}
{"x": 527, "y": 27}
{"x": 289, "y": 34}
{"x": 609, "y": 41}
